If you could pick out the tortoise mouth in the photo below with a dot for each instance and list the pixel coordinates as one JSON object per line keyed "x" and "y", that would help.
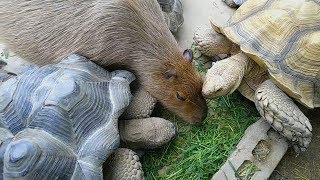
{"x": 217, "y": 93}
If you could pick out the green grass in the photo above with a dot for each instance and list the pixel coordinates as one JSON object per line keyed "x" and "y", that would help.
{"x": 198, "y": 152}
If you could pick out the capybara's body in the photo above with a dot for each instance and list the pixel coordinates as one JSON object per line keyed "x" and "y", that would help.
{"x": 127, "y": 33}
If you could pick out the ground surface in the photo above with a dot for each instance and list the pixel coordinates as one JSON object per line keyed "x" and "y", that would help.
{"x": 197, "y": 14}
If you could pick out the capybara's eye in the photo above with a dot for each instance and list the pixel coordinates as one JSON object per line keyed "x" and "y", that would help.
{"x": 180, "y": 97}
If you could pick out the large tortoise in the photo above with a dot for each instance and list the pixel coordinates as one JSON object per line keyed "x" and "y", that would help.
{"x": 61, "y": 122}
{"x": 278, "y": 59}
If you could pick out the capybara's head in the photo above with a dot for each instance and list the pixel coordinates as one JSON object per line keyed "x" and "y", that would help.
{"x": 179, "y": 88}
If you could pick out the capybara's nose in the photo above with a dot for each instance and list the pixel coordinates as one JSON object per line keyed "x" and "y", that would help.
{"x": 199, "y": 121}
{"x": 202, "y": 112}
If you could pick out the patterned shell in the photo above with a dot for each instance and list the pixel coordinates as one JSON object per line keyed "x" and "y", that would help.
{"x": 60, "y": 121}
{"x": 284, "y": 37}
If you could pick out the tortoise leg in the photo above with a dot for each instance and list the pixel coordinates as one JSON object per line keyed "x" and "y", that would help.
{"x": 283, "y": 114}
{"x": 123, "y": 164}
{"x": 225, "y": 76}
{"x": 147, "y": 133}
{"x": 139, "y": 130}
{"x": 210, "y": 42}
{"x": 141, "y": 105}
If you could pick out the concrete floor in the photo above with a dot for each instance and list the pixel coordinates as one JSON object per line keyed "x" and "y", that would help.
{"x": 197, "y": 14}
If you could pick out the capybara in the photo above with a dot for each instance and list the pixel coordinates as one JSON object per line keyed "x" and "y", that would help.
{"x": 127, "y": 33}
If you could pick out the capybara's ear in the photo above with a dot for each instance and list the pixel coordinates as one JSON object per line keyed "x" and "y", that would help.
{"x": 170, "y": 73}
{"x": 188, "y": 55}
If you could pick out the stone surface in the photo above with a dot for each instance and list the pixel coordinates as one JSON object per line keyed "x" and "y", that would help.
{"x": 259, "y": 131}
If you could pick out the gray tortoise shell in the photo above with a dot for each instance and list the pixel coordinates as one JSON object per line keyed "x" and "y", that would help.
{"x": 60, "y": 121}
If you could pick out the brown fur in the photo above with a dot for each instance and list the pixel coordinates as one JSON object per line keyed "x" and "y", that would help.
{"x": 130, "y": 33}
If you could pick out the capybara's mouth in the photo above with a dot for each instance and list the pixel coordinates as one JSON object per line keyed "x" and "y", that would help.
{"x": 198, "y": 120}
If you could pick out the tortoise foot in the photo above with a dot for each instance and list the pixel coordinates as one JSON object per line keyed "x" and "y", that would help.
{"x": 147, "y": 133}
{"x": 210, "y": 42}
{"x": 283, "y": 115}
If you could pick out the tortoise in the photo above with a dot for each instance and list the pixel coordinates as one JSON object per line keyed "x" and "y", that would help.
{"x": 173, "y": 13}
{"x": 275, "y": 51}
{"x": 61, "y": 122}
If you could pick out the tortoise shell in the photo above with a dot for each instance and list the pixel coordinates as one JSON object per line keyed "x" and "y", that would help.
{"x": 60, "y": 121}
{"x": 282, "y": 36}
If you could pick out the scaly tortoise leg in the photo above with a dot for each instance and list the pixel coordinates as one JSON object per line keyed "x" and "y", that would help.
{"x": 283, "y": 114}
{"x": 141, "y": 105}
{"x": 210, "y": 42}
{"x": 138, "y": 130}
{"x": 147, "y": 133}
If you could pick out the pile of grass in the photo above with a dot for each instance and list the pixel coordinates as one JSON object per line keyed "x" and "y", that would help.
{"x": 198, "y": 152}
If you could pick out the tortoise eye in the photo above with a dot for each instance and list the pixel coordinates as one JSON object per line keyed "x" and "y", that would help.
{"x": 180, "y": 97}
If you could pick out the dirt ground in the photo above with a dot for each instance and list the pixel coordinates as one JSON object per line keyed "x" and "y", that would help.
{"x": 307, "y": 164}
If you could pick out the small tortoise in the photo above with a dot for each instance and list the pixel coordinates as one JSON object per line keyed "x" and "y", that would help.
{"x": 279, "y": 58}
{"x": 61, "y": 122}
